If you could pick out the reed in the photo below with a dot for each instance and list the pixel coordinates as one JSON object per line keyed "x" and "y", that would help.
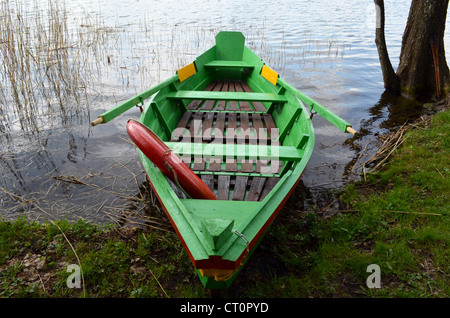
{"x": 46, "y": 64}
{"x": 53, "y": 69}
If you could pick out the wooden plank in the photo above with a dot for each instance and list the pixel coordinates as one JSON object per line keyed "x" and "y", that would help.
{"x": 218, "y": 139}
{"x": 272, "y": 129}
{"x": 243, "y": 104}
{"x": 187, "y": 160}
{"x": 244, "y": 122}
{"x": 269, "y": 185}
{"x": 260, "y": 131}
{"x": 178, "y": 190}
{"x": 231, "y": 164}
{"x": 239, "y": 188}
{"x": 223, "y": 190}
{"x": 207, "y": 127}
{"x": 256, "y": 188}
{"x": 219, "y": 128}
{"x": 232, "y": 104}
{"x": 195, "y": 104}
{"x": 221, "y": 103}
{"x": 231, "y": 127}
{"x": 261, "y": 135}
{"x": 211, "y": 126}
{"x": 257, "y": 105}
{"x": 208, "y": 180}
{"x": 184, "y": 120}
{"x": 276, "y": 165}
{"x": 247, "y": 134}
{"x": 214, "y": 164}
{"x": 195, "y": 129}
{"x": 209, "y": 104}
{"x": 181, "y": 127}
{"x": 199, "y": 164}
{"x": 246, "y": 165}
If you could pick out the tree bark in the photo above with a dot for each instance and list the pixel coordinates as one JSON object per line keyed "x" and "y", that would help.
{"x": 423, "y": 68}
{"x": 390, "y": 78}
{"x": 420, "y": 71}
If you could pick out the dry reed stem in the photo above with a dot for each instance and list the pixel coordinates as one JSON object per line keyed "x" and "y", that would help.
{"x": 132, "y": 212}
{"x": 390, "y": 144}
{"x": 158, "y": 283}
{"x": 71, "y": 246}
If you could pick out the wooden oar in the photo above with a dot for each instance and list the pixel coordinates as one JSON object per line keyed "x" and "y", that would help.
{"x": 120, "y": 109}
{"x": 315, "y": 106}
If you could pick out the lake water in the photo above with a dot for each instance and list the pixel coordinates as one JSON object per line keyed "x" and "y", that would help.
{"x": 56, "y": 165}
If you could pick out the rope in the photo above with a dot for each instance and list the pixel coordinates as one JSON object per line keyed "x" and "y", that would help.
{"x": 170, "y": 168}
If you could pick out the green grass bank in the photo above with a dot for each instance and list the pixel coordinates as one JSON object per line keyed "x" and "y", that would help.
{"x": 397, "y": 218}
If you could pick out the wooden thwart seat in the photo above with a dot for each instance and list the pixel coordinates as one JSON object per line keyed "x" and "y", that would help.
{"x": 236, "y": 151}
{"x": 228, "y": 64}
{"x": 227, "y": 95}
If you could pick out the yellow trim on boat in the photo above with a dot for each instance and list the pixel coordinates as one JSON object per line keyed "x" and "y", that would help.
{"x": 269, "y": 74}
{"x": 186, "y": 72}
{"x": 218, "y": 274}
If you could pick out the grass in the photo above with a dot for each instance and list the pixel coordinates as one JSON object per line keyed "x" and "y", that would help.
{"x": 398, "y": 218}
{"x": 114, "y": 262}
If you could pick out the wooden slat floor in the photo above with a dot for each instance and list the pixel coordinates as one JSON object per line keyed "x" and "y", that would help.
{"x": 214, "y": 121}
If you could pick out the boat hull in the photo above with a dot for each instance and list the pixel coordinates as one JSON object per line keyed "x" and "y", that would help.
{"x": 237, "y": 134}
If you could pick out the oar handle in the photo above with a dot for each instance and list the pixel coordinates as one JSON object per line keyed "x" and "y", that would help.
{"x": 350, "y": 130}
{"x": 99, "y": 120}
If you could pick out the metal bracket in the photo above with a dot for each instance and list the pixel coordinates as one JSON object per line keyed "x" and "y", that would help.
{"x": 312, "y": 111}
{"x": 242, "y": 236}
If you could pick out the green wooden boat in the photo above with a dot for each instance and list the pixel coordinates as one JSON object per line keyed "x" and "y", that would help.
{"x": 246, "y": 134}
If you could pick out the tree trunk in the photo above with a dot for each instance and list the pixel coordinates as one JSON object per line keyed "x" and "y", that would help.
{"x": 391, "y": 80}
{"x": 423, "y": 68}
{"x": 420, "y": 71}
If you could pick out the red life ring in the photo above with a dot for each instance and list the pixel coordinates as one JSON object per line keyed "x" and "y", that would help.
{"x": 168, "y": 162}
